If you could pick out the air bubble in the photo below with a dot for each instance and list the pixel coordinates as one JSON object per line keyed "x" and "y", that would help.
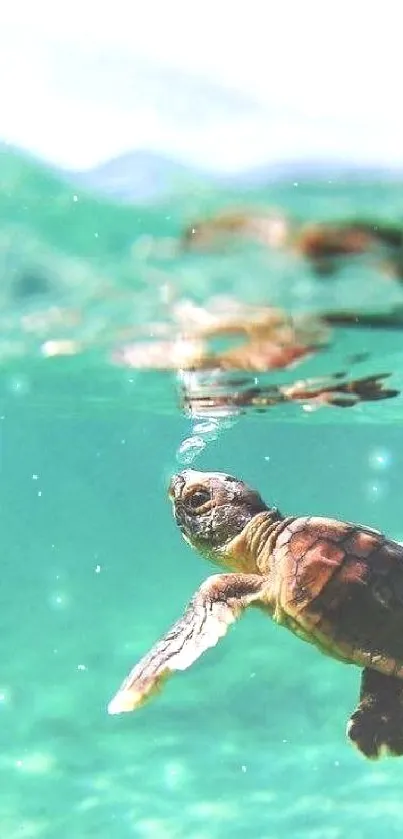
{"x": 209, "y": 429}
{"x": 204, "y": 431}
{"x": 189, "y": 450}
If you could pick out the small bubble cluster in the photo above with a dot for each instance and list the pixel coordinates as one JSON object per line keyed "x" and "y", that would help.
{"x": 203, "y": 432}
{"x": 189, "y": 449}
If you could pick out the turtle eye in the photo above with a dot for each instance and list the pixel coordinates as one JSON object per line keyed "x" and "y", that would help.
{"x": 197, "y": 499}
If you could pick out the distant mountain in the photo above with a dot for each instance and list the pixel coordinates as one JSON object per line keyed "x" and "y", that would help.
{"x": 138, "y": 175}
{"x": 304, "y": 170}
{"x": 146, "y": 175}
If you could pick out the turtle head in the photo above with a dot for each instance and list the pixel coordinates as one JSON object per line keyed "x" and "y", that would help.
{"x": 212, "y": 508}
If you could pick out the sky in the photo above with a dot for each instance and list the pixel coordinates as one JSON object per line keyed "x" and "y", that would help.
{"x": 219, "y": 85}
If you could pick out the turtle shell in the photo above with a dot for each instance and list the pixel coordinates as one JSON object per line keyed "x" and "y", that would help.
{"x": 340, "y": 586}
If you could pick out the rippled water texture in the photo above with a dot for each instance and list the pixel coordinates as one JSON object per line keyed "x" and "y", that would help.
{"x": 250, "y": 742}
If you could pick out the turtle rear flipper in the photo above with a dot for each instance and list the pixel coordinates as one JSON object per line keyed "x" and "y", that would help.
{"x": 219, "y": 601}
{"x": 376, "y": 727}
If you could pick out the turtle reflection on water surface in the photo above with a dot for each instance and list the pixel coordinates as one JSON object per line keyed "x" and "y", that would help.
{"x": 335, "y": 584}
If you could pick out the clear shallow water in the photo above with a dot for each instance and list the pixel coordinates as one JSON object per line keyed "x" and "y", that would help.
{"x": 250, "y": 741}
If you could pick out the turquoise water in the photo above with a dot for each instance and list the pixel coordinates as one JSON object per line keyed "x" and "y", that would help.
{"x": 250, "y": 741}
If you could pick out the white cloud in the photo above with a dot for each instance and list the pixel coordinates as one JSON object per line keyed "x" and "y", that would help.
{"x": 224, "y": 86}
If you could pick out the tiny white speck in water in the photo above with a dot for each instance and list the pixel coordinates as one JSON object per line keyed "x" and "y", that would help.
{"x": 174, "y": 774}
{"x": 19, "y": 385}
{"x": 376, "y": 490}
{"x": 285, "y": 741}
{"x": 123, "y": 442}
{"x": 35, "y": 477}
{"x": 267, "y": 457}
{"x": 295, "y": 183}
{"x": 337, "y": 763}
{"x": 97, "y": 569}
{"x": 81, "y": 667}
{"x": 243, "y": 768}
{"x": 4, "y": 697}
{"x": 96, "y": 235}
{"x": 37, "y": 763}
{"x": 58, "y": 600}
{"x": 39, "y": 492}
{"x": 380, "y": 459}
{"x": 75, "y": 198}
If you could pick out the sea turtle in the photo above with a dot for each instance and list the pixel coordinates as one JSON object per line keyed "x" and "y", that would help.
{"x": 335, "y": 584}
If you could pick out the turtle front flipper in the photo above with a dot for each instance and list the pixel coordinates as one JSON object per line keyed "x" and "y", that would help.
{"x": 219, "y": 601}
{"x": 376, "y": 727}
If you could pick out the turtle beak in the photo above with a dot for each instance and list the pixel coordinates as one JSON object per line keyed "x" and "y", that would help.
{"x": 175, "y": 488}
